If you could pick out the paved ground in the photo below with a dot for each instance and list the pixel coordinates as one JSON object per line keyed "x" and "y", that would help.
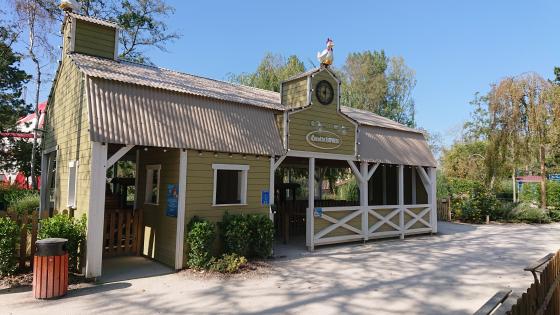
{"x": 451, "y": 273}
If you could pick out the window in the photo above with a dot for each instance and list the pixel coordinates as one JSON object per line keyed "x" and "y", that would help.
{"x": 72, "y": 183}
{"x": 230, "y": 184}
{"x": 152, "y": 184}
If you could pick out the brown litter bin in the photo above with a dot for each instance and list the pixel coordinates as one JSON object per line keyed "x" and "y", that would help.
{"x": 50, "y": 268}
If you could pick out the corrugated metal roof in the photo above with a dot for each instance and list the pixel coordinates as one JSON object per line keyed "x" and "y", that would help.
{"x": 93, "y": 20}
{"x": 160, "y": 78}
{"x": 393, "y": 146}
{"x": 370, "y": 119}
{"x": 132, "y": 114}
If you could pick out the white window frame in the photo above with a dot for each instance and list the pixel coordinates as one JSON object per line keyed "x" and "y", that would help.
{"x": 244, "y": 175}
{"x": 72, "y": 184}
{"x": 149, "y": 183}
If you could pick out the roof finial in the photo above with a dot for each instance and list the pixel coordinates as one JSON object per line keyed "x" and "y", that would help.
{"x": 326, "y": 56}
{"x": 69, "y": 5}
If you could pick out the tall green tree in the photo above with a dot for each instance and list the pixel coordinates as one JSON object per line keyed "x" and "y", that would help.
{"x": 14, "y": 155}
{"x": 272, "y": 70}
{"x": 12, "y": 81}
{"x": 364, "y": 83}
{"x": 382, "y": 85}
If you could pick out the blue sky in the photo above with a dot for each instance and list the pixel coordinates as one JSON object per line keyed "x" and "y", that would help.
{"x": 455, "y": 47}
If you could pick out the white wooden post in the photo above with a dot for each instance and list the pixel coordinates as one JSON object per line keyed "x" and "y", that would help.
{"x": 271, "y": 187}
{"x": 180, "y": 235}
{"x": 364, "y": 198}
{"x": 310, "y": 205}
{"x": 384, "y": 184}
{"x": 432, "y": 198}
{"x": 413, "y": 176}
{"x": 401, "y": 199}
{"x": 98, "y": 179}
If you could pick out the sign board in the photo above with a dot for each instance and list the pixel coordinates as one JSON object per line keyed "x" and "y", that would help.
{"x": 265, "y": 198}
{"x": 318, "y": 212}
{"x": 172, "y": 201}
{"x": 554, "y": 177}
{"x": 323, "y": 139}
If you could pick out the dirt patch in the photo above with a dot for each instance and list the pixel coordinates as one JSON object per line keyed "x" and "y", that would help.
{"x": 250, "y": 270}
{"x": 26, "y": 280}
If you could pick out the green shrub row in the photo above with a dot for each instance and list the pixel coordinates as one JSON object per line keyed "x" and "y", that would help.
{"x": 241, "y": 236}
{"x": 9, "y": 236}
{"x": 531, "y": 192}
{"x": 11, "y": 196}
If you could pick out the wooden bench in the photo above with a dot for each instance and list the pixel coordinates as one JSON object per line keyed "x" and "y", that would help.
{"x": 493, "y": 303}
{"x": 538, "y": 266}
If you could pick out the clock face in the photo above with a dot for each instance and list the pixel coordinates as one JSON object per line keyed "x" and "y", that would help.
{"x": 324, "y": 92}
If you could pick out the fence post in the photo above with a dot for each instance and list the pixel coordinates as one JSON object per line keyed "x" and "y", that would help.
{"x": 23, "y": 242}
{"x": 34, "y": 226}
{"x": 449, "y": 208}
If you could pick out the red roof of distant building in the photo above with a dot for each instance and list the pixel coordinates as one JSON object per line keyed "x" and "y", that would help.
{"x": 30, "y": 117}
{"x": 16, "y": 135}
{"x": 529, "y": 179}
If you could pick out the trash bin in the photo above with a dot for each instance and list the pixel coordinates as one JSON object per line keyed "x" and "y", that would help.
{"x": 50, "y": 268}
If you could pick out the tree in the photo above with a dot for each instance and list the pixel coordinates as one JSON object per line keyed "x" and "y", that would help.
{"x": 477, "y": 128}
{"x": 12, "y": 80}
{"x": 522, "y": 116}
{"x": 272, "y": 70}
{"x": 465, "y": 160}
{"x": 401, "y": 80}
{"x": 18, "y": 158}
{"x": 36, "y": 18}
{"x": 364, "y": 85}
{"x": 382, "y": 85}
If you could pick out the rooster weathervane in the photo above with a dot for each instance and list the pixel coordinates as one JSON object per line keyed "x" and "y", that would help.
{"x": 326, "y": 56}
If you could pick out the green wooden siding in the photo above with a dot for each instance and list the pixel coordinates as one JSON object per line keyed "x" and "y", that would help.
{"x": 66, "y": 126}
{"x": 328, "y": 115}
{"x": 294, "y": 93}
{"x": 94, "y": 39}
{"x": 200, "y": 184}
{"x": 163, "y": 228}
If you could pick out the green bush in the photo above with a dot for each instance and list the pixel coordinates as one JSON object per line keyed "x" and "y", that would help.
{"x": 72, "y": 229}
{"x": 530, "y": 193}
{"x": 525, "y": 212}
{"x": 503, "y": 211}
{"x": 228, "y": 263}
{"x": 27, "y": 203}
{"x": 349, "y": 191}
{"x": 261, "y": 230}
{"x": 480, "y": 203}
{"x": 9, "y": 236}
{"x": 235, "y": 234}
{"x": 200, "y": 236}
{"x": 553, "y": 194}
{"x": 10, "y": 194}
{"x": 554, "y": 214}
{"x": 461, "y": 191}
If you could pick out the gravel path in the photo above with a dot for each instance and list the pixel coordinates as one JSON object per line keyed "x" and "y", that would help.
{"x": 454, "y": 272}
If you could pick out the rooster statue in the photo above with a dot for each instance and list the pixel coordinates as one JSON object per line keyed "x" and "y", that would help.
{"x": 69, "y": 5}
{"x": 326, "y": 56}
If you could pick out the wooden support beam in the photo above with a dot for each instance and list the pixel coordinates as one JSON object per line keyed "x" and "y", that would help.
{"x": 96, "y": 210}
{"x": 310, "y": 229}
{"x": 432, "y": 198}
{"x": 364, "y": 198}
{"x": 371, "y": 171}
{"x": 180, "y": 234}
{"x": 119, "y": 154}
{"x": 355, "y": 170}
{"x": 401, "y": 199}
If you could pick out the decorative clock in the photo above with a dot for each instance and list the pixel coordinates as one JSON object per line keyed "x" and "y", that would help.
{"x": 324, "y": 92}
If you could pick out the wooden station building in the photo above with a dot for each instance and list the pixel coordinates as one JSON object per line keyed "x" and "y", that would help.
{"x": 203, "y": 147}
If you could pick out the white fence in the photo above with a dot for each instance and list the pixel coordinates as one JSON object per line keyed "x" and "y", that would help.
{"x": 344, "y": 224}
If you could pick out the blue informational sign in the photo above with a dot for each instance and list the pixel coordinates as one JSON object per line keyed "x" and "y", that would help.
{"x": 554, "y": 177}
{"x": 318, "y": 212}
{"x": 265, "y": 198}
{"x": 172, "y": 200}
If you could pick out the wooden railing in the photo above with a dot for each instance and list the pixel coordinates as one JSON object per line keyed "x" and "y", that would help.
{"x": 444, "y": 209}
{"x": 122, "y": 232}
{"x": 28, "y": 224}
{"x": 350, "y": 223}
{"x": 543, "y": 297}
